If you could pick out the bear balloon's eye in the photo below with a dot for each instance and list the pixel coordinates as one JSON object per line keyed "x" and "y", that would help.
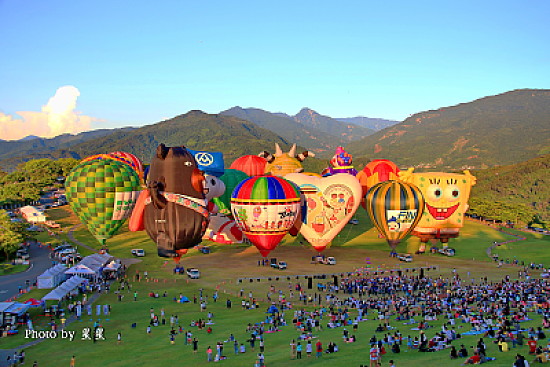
{"x": 188, "y": 163}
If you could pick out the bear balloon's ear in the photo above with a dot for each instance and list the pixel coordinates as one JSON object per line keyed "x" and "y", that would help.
{"x": 162, "y": 151}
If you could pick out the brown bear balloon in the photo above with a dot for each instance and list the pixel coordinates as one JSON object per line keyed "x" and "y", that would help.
{"x": 175, "y": 213}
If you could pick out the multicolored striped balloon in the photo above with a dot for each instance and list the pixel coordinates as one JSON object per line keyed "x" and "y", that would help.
{"x": 131, "y": 160}
{"x": 265, "y": 208}
{"x": 102, "y": 193}
{"x": 395, "y": 208}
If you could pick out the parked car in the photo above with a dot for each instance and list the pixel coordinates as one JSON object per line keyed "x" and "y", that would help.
{"x": 281, "y": 265}
{"x": 193, "y": 273}
{"x": 22, "y": 254}
{"x": 353, "y": 221}
{"x": 139, "y": 252}
{"x": 70, "y": 257}
{"x": 62, "y": 247}
{"x": 70, "y": 250}
{"x": 330, "y": 261}
{"x": 447, "y": 251}
{"x": 204, "y": 249}
{"x": 405, "y": 257}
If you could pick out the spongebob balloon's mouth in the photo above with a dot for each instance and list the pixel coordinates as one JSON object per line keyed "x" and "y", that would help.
{"x": 441, "y": 213}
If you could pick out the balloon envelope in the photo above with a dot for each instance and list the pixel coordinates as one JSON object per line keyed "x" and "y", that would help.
{"x": 395, "y": 208}
{"x": 376, "y": 171}
{"x": 329, "y": 204}
{"x": 131, "y": 160}
{"x": 176, "y": 214}
{"x": 252, "y": 165}
{"x": 231, "y": 178}
{"x": 446, "y": 196}
{"x": 265, "y": 208}
{"x": 102, "y": 193}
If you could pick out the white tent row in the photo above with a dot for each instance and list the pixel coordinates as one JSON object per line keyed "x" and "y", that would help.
{"x": 91, "y": 266}
{"x": 52, "y": 277}
{"x": 64, "y": 289}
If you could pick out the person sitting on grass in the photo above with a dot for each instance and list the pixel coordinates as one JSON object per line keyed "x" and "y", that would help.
{"x": 475, "y": 359}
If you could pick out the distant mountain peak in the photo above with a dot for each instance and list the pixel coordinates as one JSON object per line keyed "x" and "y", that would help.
{"x": 29, "y": 137}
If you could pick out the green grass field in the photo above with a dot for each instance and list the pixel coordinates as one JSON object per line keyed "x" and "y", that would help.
{"x": 356, "y": 247}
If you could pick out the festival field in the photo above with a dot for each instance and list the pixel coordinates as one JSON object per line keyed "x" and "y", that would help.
{"x": 354, "y": 249}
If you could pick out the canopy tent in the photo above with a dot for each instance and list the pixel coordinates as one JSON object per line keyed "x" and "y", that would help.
{"x": 64, "y": 289}
{"x": 272, "y": 309}
{"x": 101, "y": 259}
{"x": 17, "y": 308}
{"x": 82, "y": 270}
{"x": 33, "y": 302}
{"x": 9, "y": 312}
{"x": 112, "y": 266}
{"x": 52, "y": 277}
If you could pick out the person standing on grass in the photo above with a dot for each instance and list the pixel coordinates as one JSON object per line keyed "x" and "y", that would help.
{"x": 73, "y": 361}
{"x": 309, "y": 348}
{"x": 374, "y": 356}
{"x": 209, "y": 354}
{"x": 195, "y": 345}
{"x": 293, "y": 349}
{"x": 319, "y": 348}
{"x": 299, "y": 351}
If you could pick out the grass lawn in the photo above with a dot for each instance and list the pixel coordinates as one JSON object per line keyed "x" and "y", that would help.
{"x": 7, "y": 268}
{"x": 357, "y": 247}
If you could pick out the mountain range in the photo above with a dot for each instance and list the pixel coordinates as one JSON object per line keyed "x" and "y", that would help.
{"x": 513, "y": 192}
{"x": 368, "y": 122}
{"x": 319, "y": 133}
{"x": 496, "y": 130}
{"x": 502, "y": 129}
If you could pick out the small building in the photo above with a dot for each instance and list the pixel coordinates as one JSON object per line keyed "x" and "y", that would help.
{"x": 32, "y": 214}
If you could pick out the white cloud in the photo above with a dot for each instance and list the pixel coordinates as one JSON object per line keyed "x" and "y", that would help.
{"x": 57, "y": 117}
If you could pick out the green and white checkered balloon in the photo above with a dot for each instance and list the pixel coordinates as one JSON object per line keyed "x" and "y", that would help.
{"x": 102, "y": 193}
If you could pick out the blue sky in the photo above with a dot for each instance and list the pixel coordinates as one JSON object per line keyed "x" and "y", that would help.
{"x": 138, "y": 62}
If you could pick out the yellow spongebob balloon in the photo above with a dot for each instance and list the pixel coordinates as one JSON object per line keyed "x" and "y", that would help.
{"x": 446, "y": 196}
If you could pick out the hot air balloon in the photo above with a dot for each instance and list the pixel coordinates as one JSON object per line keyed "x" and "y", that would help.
{"x": 446, "y": 197}
{"x": 173, "y": 209}
{"x": 122, "y": 157}
{"x": 340, "y": 163}
{"x": 395, "y": 208}
{"x": 280, "y": 164}
{"x": 231, "y": 178}
{"x": 252, "y": 165}
{"x": 265, "y": 208}
{"x": 329, "y": 204}
{"x": 378, "y": 170}
{"x": 213, "y": 188}
{"x": 131, "y": 160}
{"x": 223, "y": 229}
{"x": 102, "y": 193}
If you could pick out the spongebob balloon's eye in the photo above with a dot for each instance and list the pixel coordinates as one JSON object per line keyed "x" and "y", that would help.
{"x": 434, "y": 192}
{"x": 452, "y": 192}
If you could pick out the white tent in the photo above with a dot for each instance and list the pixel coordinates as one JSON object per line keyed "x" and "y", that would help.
{"x": 112, "y": 266}
{"x": 32, "y": 214}
{"x": 83, "y": 271}
{"x": 64, "y": 289}
{"x": 52, "y": 277}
